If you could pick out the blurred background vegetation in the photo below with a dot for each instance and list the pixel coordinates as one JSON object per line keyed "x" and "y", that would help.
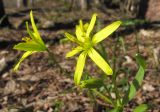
{"x": 142, "y": 9}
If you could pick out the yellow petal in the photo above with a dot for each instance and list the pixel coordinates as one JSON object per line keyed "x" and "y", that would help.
{"x": 105, "y": 32}
{"x": 25, "y": 55}
{"x": 26, "y": 39}
{"x": 70, "y": 37}
{"x": 30, "y": 32}
{"x": 74, "y": 51}
{"x": 34, "y": 38}
{"x": 81, "y": 24}
{"x": 79, "y": 34}
{"x": 91, "y": 25}
{"x": 86, "y": 26}
{"x": 79, "y": 68}
{"x": 94, "y": 55}
{"x": 37, "y": 35}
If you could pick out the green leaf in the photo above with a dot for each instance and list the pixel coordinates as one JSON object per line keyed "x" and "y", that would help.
{"x": 91, "y": 25}
{"x": 114, "y": 110}
{"x": 37, "y": 36}
{"x": 105, "y": 32}
{"x": 133, "y": 22}
{"x": 63, "y": 40}
{"x": 74, "y": 51}
{"x": 117, "y": 109}
{"x": 92, "y": 83}
{"x": 100, "y": 61}
{"x": 29, "y": 47}
{"x": 25, "y": 55}
{"x": 79, "y": 68}
{"x": 136, "y": 83}
{"x": 141, "y": 108}
{"x": 103, "y": 97}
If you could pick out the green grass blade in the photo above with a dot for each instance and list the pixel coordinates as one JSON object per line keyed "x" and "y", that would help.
{"x": 141, "y": 108}
{"x": 136, "y": 83}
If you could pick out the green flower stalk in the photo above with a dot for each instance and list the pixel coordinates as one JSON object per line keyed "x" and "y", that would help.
{"x": 31, "y": 44}
{"x": 86, "y": 43}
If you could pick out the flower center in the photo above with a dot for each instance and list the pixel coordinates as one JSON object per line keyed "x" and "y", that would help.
{"x": 87, "y": 44}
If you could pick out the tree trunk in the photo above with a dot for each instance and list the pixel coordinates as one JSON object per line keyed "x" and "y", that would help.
{"x": 143, "y": 6}
{"x": 97, "y": 2}
{"x": 25, "y": 3}
{"x": 153, "y": 11}
{"x": 18, "y": 3}
{"x": 3, "y": 18}
{"x": 83, "y": 4}
{"x": 32, "y": 2}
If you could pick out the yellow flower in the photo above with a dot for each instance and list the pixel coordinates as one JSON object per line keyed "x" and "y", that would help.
{"x": 86, "y": 45}
{"x": 31, "y": 44}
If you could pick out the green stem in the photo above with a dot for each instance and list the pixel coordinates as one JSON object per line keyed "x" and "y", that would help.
{"x": 109, "y": 93}
{"x": 107, "y": 100}
{"x": 116, "y": 92}
{"x": 53, "y": 59}
{"x": 92, "y": 97}
{"x": 123, "y": 44}
{"x": 137, "y": 41}
{"x": 103, "y": 52}
{"x": 114, "y": 77}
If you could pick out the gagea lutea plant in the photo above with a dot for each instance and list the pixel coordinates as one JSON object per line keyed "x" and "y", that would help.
{"x": 86, "y": 42}
{"x": 32, "y": 44}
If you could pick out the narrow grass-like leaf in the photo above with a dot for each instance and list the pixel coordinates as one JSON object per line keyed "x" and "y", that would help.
{"x": 25, "y": 55}
{"x": 136, "y": 83}
{"x": 92, "y": 83}
{"x": 91, "y": 25}
{"x": 29, "y": 47}
{"x": 74, "y": 51}
{"x": 133, "y": 22}
{"x": 79, "y": 68}
{"x": 93, "y": 54}
{"x": 113, "y": 110}
{"x": 117, "y": 109}
{"x": 141, "y": 108}
{"x": 103, "y": 97}
{"x": 105, "y": 32}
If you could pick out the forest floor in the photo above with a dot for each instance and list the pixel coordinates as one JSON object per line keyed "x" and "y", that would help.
{"x": 40, "y": 86}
